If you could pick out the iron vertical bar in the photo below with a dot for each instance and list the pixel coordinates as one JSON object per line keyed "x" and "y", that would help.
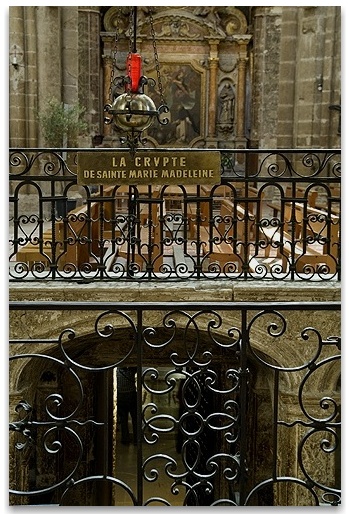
{"x": 53, "y": 228}
{"x": 101, "y": 220}
{"x": 106, "y": 423}
{"x": 245, "y": 246}
{"x": 133, "y": 213}
{"x": 275, "y": 423}
{"x": 293, "y": 222}
{"x": 139, "y": 349}
{"x": 243, "y": 405}
{"x": 103, "y": 453}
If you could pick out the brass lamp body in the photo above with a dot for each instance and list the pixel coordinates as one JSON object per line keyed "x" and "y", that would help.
{"x": 133, "y": 111}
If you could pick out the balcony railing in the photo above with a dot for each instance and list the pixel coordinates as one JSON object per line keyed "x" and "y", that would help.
{"x": 275, "y": 215}
{"x": 238, "y": 404}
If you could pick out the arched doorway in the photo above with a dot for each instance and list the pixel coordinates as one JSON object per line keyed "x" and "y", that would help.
{"x": 194, "y": 409}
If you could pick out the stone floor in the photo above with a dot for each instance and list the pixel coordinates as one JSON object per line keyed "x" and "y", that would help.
{"x": 125, "y": 470}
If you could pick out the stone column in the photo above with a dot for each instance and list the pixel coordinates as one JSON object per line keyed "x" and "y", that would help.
{"x": 241, "y": 85}
{"x": 240, "y": 140}
{"x": 48, "y": 28}
{"x": 107, "y": 75}
{"x": 31, "y": 77}
{"x": 17, "y": 77}
{"x": 70, "y": 66}
{"x": 90, "y": 69}
{"x": 212, "y": 94}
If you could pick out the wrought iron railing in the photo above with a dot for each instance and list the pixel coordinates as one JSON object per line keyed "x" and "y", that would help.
{"x": 275, "y": 215}
{"x": 237, "y": 404}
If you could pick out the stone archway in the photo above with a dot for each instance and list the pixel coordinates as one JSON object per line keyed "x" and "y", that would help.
{"x": 55, "y": 391}
{"x": 96, "y": 346}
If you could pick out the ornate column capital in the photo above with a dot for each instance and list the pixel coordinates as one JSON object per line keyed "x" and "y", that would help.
{"x": 242, "y": 40}
{"x": 107, "y": 60}
{"x": 213, "y": 62}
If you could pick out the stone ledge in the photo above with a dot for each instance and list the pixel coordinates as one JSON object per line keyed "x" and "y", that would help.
{"x": 192, "y": 290}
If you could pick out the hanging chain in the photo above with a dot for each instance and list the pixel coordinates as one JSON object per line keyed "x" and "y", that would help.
{"x": 131, "y": 34}
{"x": 156, "y": 57}
{"x": 130, "y": 38}
{"x": 114, "y": 53}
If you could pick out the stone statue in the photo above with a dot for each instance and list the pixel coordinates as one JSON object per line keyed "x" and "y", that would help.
{"x": 226, "y": 105}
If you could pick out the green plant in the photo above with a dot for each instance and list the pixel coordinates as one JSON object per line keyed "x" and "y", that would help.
{"x": 62, "y": 124}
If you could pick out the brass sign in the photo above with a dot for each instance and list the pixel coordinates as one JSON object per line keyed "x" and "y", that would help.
{"x": 194, "y": 167}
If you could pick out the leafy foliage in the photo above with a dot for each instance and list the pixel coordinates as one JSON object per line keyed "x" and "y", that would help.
{"x": 62, "y": 124}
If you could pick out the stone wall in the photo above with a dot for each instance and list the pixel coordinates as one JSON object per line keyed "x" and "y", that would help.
{"x": 283, "y": 64}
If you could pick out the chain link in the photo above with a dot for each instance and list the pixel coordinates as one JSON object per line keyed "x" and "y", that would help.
{"x": 131, "y": 35}
{"x": 114, "y": 53}
{"x": 156, "y": 57}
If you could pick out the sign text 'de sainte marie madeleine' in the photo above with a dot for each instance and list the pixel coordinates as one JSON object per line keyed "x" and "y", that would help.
{"x": 194, "y": 167}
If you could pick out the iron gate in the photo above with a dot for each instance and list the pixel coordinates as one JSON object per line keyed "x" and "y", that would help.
{"x": 237, "y": 404}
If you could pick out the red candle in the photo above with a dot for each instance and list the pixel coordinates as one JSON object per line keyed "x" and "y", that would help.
{"x": 134, "y": 71}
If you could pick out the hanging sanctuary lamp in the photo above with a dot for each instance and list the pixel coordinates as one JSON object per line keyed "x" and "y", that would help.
{"x": 133, "y": 111}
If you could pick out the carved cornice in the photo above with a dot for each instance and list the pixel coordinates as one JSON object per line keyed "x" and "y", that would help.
{"x": 193, "y": 23}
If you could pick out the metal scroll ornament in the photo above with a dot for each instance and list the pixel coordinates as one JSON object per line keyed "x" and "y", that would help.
{"x": 133, "y": 111}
